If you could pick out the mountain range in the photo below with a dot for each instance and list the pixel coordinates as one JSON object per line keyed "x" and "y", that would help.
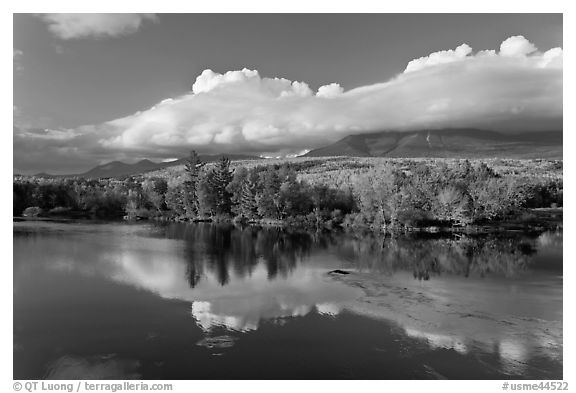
{"x": 120, "y": 169}
{"x": 447, "y": 143}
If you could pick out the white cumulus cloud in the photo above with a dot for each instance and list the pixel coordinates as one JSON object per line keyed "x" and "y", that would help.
{"x": 442, "y": 57}
{"x": 74, "y": 26}
{"x": 517, "y": 46}
{"x": 516, "y": 88}
{"x": 330, "y": 91}
{"x": 250, "y": 82}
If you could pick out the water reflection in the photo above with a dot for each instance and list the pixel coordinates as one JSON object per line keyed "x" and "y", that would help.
{"x": 94, "y": 367}
{"x": 225, "y": 250}
{"x": 436, "y": 341}
{"x": 235, "y": 277}
{"x": 232, "y": 278}
{"x": 238, "y": 280}
{"x": 429, "y": 256}
{"x": 226, "y": 253}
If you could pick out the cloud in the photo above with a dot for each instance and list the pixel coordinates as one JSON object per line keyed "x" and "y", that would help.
{"x": 251, "y": 82}
{"x": 330, "y": 91}
{"x": 517, "y": 46}
{"x": 442, "y": 57}
{"x": 516, "y": 88}
{"x": 330, "y": 309}
{"x": 75, "y": 26}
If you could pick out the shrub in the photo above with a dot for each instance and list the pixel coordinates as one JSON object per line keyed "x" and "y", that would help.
{"x": 33, "y": 211}
{"x": 59, "y": 211}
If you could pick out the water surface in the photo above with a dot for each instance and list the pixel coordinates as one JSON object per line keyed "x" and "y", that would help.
{"x": 200, "y": 301}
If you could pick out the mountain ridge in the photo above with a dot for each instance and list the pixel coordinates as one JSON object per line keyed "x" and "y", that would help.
{"x": 121, "y": 169}
{"x": 446, "y": 143}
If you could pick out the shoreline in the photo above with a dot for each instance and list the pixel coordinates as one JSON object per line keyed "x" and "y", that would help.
{"x": 542, "y": 219}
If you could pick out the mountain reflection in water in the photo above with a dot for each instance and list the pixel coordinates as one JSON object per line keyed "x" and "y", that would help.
{"x": 234, "y": 280}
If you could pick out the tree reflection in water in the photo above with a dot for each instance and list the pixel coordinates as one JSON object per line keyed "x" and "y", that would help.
{"x": 429, "y": 256}
{"x": 225, "y": 250}
{"x": 114, "y": 284}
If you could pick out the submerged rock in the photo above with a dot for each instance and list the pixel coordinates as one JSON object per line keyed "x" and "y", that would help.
{"x": 338, "y": 271}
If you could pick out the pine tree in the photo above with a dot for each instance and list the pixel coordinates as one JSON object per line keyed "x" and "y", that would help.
{"x": 235, "y": 188}
{"x": 206, "y": 194}
{"x": 219, "y": 182}
{"x": 193, "y": 168}
{"x": 248, "y": 206}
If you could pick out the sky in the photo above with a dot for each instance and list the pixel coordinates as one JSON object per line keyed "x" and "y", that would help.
{"x": 92, "y": 88}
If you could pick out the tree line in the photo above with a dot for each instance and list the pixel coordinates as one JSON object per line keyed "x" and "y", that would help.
{"x": 406, "y": 194}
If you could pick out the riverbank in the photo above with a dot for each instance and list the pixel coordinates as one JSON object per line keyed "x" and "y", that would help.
{"x": 386, "y": 196}
{"x": 531, "y": 220}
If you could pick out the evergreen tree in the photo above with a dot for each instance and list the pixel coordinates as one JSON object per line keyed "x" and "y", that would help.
{"x": 193, "y": 169}
{"x": 235, "y": 188}
{"x": 248, "y": 206}
{"x": 219, "y": 182}
{"x": 206, "y": 194}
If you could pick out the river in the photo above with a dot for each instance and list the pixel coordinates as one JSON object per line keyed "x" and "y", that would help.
{"x": 109, "y": 300}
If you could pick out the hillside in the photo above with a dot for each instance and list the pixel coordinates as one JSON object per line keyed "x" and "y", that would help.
{"x": 120, "y": 169}
{"x": 449, "y": 143}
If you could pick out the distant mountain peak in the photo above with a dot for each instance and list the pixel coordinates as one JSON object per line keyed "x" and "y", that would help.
{"x": 121, "y": 169}
{"x": 447, "y": 143}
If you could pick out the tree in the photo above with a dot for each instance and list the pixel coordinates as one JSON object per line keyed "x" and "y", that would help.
{"x": 193, "y": 167}
{"x": 155, "y": 190}
{"x": 248, "y": 207}
{"x": 453, "y": 204}
{"x": 294, "y": 197}
{"x": 235, "y": 188}
{"x": 222, "y": 176}
{"x": 380, "y": 195}
{"x": 267, "y": 199}
{"x": 175, "y": 198}
{"x": 495, "y": 198}
{"x": 134, "y": 201}
{"x": 206, "y": 194}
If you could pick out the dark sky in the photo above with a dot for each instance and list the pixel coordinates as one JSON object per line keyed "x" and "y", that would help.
{"x": 67, "y": 83}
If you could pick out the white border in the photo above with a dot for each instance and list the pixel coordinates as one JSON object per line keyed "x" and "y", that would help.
{"x": 300, "y": 6}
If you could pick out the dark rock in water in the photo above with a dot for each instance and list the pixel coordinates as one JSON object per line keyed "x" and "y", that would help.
{"x": 217, "y": 342}
{"x": 338, "y": 271}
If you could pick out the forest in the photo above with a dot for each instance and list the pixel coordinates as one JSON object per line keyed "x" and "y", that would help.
{"x": 385, "y": 194}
